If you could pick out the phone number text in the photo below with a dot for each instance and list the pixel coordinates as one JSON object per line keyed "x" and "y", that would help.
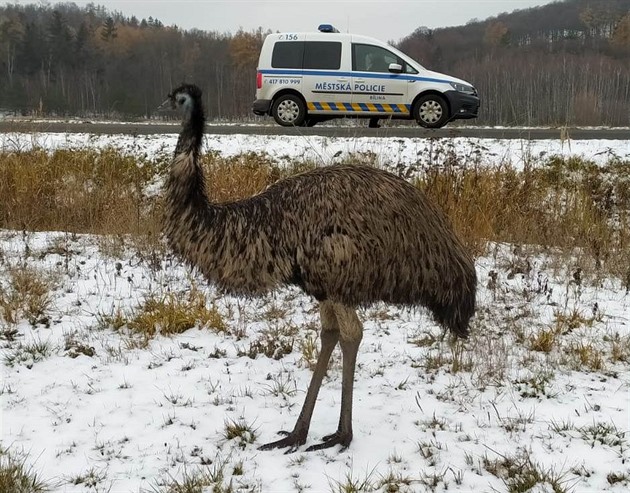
{"x": 284, "y": 82}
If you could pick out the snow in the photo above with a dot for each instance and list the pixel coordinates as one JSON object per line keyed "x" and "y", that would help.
{"x": 391, "y": 151}
{"x": 139, "y": 417}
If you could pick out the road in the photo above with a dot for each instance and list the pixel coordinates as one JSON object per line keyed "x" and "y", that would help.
{"x": 327, "y": 131}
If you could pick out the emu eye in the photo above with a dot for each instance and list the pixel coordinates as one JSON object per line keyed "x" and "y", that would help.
{"x": 181, "y": 100}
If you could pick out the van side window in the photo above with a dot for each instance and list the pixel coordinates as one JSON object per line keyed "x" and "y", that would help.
{"x": 369, "y": 58}
{"x": 323, "y": 55}
{"x": 287, "y": 54}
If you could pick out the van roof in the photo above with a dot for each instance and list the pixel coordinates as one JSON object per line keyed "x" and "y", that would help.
{"x": 332, "y": 36}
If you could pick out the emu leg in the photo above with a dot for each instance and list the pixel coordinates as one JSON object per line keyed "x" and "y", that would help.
{"x": 329, "y": 338}
{"x": 351, "y": 334}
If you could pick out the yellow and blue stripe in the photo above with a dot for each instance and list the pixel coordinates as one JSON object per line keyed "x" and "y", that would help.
{"x": 358, "y": 107}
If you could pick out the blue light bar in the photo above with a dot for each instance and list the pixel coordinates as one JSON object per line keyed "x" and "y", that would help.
{"x": 327, "y": 28}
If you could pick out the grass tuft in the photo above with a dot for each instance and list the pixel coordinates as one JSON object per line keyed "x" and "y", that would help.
{"x": 175, "y": 313}
{"x": 394, "y": 482}
{"x": 604, "y": 434}
{"x": 239, "y": 430}
{"x": 274, "y": 342}
{"x": 200, "y": 480}
{"x": 28, "y": 354}
{"x": 354, "y": 484}
{"x": 520, "y": 474}
{"x": 582, "y": 355}
{"x": 90, "y": 478}
{"x": 16, "y": 476}
{"x": 26, "y": 293}
{"x": 544, "y": 340}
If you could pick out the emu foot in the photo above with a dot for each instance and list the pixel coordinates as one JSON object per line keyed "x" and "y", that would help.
{"x": 292, "y": 440}
{"x": 337, "y": 438}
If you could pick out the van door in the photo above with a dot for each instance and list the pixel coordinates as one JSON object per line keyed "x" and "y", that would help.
{"x": 326, "y": 87}
{"x": 375, "y": 89}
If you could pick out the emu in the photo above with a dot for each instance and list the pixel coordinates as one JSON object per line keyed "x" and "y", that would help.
{"x": 348, "y": 235}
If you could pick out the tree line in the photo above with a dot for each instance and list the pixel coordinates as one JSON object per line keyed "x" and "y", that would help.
{"x": 564, "y": 63}
{"x": 66, "y": 60}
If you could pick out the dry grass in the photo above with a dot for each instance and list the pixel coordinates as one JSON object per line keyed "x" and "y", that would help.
{"x": 83, "y": 191}
{"x": 174, "y": 313}
{"x": 210, "y": 477}
{"x": 569, "y": 204}
{"x": 520, "y": 473}
{"x": 240, "y": 430}
{"x": 26, "y": 293}
{"x": 274, "y": 342}
{"x": 239, "y": 176}
{"x": 17, "y": 476}
{"x": 559, "y": 203}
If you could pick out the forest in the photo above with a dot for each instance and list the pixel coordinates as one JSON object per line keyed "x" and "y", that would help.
{"x": 565, "y": 63}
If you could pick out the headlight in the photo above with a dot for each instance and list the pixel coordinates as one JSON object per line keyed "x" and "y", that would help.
{"x": 466, "y": 89}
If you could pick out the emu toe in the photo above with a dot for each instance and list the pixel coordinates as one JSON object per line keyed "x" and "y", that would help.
{"x": 337, "y": 438}
{"x": 292, "y": 440}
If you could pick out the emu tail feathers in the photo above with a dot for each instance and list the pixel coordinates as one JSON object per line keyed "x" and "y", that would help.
{"x": 455, "y": 311}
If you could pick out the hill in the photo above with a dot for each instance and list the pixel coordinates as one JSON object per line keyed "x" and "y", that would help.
{"x": 563, "y": 63}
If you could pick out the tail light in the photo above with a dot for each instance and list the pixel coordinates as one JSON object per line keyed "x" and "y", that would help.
{"x": 258, "y": 80}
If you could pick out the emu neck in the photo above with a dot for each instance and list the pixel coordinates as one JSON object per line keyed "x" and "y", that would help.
{"x": 191, "y": 136}
{"x": 186, "y": 185}
{"x": 187, "y": 205}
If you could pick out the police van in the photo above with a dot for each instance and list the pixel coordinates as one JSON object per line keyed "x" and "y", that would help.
{"x": 306, "y": 78}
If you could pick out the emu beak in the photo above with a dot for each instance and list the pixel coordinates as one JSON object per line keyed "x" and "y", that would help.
{"x": 166, "y": 105}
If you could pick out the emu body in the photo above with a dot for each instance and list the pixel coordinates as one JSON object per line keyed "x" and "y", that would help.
{"x": 347, "y": 235}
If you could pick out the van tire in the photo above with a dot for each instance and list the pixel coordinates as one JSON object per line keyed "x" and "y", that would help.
{"x": 431, "y": 111}
{"x": 289, "y": 111}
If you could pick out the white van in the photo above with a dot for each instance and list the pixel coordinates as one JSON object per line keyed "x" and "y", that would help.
{"x": 306, "y": 78}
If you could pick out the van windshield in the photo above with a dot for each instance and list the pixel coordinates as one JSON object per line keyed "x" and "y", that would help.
{"x": 404, "y": 56}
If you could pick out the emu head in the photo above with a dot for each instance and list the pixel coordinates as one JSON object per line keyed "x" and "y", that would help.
{"x": 185, "y": 99}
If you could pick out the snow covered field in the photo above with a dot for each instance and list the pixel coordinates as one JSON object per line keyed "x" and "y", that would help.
{"x": 95, "y": 412}
{"x": 390, "y": 152}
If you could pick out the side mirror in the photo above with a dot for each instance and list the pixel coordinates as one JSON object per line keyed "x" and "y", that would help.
{"x": 395, "y": 68}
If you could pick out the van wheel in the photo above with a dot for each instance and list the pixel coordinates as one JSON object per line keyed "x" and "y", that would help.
{"x": 289, "y": 111}
{"x": 431, "y": 111}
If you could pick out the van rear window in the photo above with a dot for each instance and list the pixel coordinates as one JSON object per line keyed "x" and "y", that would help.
{"x": 323, "y": 55}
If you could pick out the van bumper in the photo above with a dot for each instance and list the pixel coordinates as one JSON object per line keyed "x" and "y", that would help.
{"x": 462, "y": 105}
{"x": 261, "y": 106}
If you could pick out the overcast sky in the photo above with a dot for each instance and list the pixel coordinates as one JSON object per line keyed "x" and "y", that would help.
{"x": 385, "y": 20}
